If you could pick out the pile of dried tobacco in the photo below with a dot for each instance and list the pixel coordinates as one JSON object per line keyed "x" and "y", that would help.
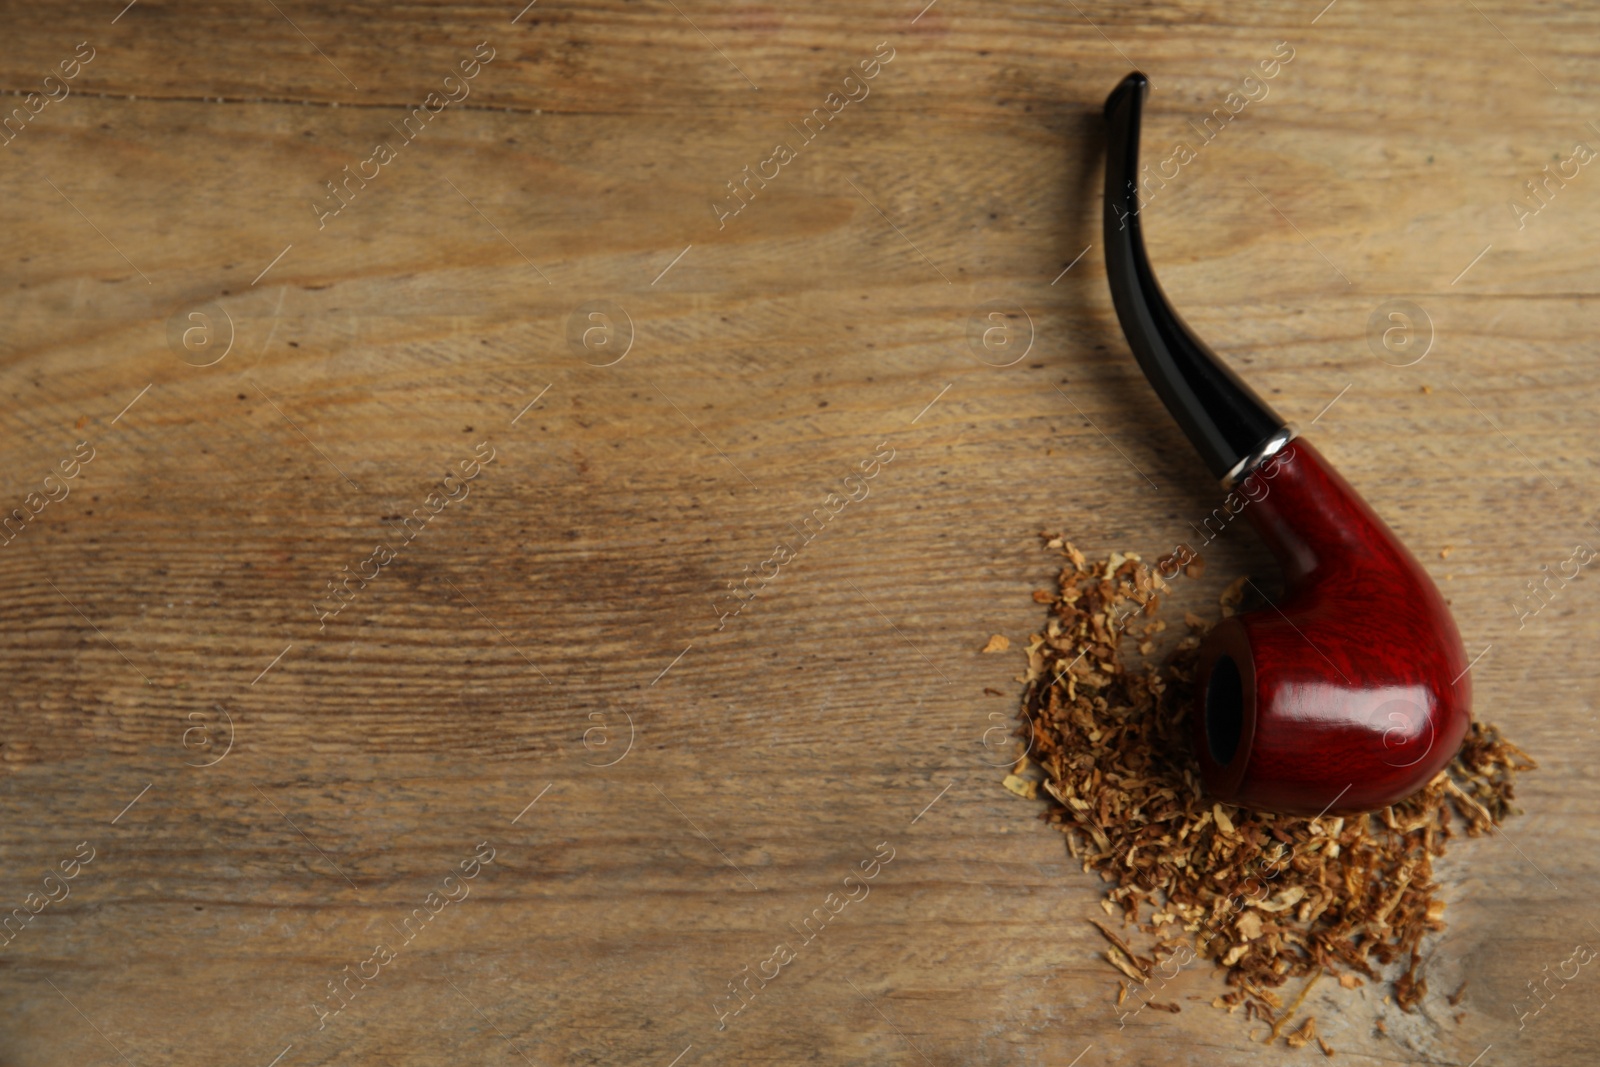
{"x": 1268, "y": 898}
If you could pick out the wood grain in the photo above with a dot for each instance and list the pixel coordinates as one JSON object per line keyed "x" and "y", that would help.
{"x": 501, "y": 656}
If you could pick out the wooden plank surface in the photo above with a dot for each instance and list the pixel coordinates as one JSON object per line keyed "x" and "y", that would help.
{"x": 550, "y": 637}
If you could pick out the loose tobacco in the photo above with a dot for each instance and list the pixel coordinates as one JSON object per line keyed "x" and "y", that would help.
{"x": 1267, "y": 898}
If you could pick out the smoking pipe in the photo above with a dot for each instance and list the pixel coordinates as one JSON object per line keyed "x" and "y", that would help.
{"x": 1350, "y": 693}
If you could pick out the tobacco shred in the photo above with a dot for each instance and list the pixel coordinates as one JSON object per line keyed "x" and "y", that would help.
{"x": 1267, "y": 898}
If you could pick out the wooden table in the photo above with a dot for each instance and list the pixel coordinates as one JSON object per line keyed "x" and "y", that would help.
{"x": 533, "y": 660}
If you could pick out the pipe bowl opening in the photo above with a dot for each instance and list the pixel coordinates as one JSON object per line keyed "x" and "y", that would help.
{"x": 1224, "y": 710}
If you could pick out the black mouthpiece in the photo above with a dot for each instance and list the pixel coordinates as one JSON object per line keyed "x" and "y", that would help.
{"x": 1222, "y": 417}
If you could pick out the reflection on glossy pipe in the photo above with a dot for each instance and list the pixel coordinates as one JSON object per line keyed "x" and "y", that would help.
{"x": 1352, "y": 692}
